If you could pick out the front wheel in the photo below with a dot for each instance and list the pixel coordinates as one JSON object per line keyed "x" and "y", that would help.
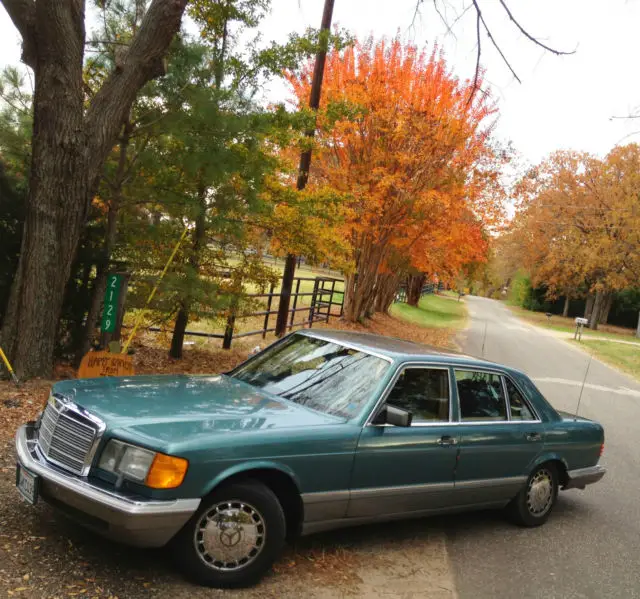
{"x": 233, "y": 538}
{"x": 533, "y": 504}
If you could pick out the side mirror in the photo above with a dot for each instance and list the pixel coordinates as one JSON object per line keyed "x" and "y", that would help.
{"x": 394, "y": 416}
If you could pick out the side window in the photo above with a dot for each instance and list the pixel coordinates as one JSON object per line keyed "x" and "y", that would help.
{"x": 517, "y": 404}
{"x": 481, "y": 396}
{"x": 424, "y": 392}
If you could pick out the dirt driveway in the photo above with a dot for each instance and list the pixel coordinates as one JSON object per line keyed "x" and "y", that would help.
{"x": 43, "y": 555}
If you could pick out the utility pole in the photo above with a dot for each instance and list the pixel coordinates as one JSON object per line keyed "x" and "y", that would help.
{"x": 305, "y": 162}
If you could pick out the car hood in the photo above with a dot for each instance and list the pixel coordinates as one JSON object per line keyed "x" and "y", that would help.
{"x": 178, "y": 407}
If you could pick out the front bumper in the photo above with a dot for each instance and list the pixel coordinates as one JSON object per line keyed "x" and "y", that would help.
{"x": 130, "y": 520}
{"x": 579, "y": 479}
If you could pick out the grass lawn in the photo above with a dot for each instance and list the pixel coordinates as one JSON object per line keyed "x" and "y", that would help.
{"x": 433, "y": 311}
{"x": 567, "y": 325}
{"x": 624, "y": 356}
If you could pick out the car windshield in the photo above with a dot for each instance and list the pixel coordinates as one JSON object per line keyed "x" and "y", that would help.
{"x": 318, "y": 374}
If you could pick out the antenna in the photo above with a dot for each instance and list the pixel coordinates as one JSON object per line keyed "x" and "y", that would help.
{"x": 484, "y": 338}
{"x": 582, "y": 388}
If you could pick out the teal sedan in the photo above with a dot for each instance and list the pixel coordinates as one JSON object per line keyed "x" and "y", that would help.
{"x": 322, "y": 430}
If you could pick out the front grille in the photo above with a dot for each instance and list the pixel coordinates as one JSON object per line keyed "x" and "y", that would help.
{"x": 67, "y": 436}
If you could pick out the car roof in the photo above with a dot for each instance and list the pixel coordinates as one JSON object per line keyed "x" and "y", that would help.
{"x": 399, "y": 350}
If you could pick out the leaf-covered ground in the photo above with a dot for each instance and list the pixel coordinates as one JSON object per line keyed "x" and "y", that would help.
{"x": 43, "y": 555}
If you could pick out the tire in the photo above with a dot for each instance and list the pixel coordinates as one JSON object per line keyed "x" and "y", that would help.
{"x": 534, "y": 503}
{"x": 233, "y": 538}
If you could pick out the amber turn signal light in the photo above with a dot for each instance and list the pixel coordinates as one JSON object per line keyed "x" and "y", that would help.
{"x": 601, "y": 449}
{"x": 166, "y": 472}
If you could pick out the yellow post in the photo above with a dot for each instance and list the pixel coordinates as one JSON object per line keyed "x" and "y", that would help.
{"x": 8, "y": 365}
{"x": 153, "y": 291}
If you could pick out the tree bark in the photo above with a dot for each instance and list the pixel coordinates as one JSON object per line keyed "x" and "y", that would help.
{"x": 360, "y": 290}
{"x": 386, "y": 293}
{"x": 415, "y": 283}
{"x": 588, "y": 308}
{"x": 565, "y": 310}
{"x": 606, "y": 308}
{"x": 68, "y": 152}
{"x": 595, "y": 314}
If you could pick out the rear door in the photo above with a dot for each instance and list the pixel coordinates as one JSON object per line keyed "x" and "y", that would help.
{"x": 399, "y": 470}
{"x": 501, "y": 436}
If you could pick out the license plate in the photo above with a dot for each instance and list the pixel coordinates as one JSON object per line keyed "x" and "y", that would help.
{"x": 27, "y": 484}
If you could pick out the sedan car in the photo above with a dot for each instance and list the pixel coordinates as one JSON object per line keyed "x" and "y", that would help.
{"x": 323, "y": 429}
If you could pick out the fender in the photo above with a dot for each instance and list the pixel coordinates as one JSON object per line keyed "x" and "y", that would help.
{"x": 247, "y": 467}
{"x": 548, "y": 456}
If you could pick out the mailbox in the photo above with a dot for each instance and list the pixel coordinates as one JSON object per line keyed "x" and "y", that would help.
{"x": 580, "y": 322}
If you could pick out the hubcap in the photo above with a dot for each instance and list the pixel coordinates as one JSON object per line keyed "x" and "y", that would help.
{"x": 230, "y": 535}
{"x": 540, "y": 493}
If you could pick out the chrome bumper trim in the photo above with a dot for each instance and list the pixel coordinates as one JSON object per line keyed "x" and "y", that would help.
{"x": 145, "y": 523}
{"x": 578, "y": 479}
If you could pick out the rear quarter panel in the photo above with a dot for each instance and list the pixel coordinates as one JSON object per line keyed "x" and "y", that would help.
{"x": 576, "y": 442}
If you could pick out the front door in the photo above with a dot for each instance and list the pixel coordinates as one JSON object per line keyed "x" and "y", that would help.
{"x": 399, "y": 470}
{"x": 500, "y": 438}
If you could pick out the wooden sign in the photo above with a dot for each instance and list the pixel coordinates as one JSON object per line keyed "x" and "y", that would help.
{"x": 102, "y": 363}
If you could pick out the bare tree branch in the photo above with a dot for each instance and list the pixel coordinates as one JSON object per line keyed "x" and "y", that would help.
{"x": 476, "y": 75}
{"x": 524, "y": 32}
{"x": 493, "y": 41}
{"x": 23, "y": 15}
{"x": 106, "y": 43}
{"x": 482, "y": 24}
{"x": 439, "y": 12}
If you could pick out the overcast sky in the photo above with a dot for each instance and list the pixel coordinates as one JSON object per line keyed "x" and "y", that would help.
{"x": 563, "y": 102}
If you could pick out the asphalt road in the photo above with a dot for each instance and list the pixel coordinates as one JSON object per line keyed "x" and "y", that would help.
{"x": 590, "y": 547}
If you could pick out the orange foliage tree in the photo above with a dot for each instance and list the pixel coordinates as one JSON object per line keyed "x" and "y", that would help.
{"x": 579, "y": 225}
{"x": 408, "y": 145}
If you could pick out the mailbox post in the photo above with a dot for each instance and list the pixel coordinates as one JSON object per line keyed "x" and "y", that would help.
{"x": 580, "y": 322}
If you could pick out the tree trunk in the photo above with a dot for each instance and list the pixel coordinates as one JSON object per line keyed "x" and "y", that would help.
{"x": 360, "y": 294}
{"x": 387, "y": 289}
{"x": 606, "y": 308}
{"x": 595, "y": 314}
{"x": 69, "y": 148}
{"x": 58, "y": 192}
{"x": 415, "y": 283}
{"x": 638, "y": 329}
{"x": 177, "y": 340}
{"x": 588, "y": 307}
{"x": 199, "y": 241}
{"x": 565, "y": 310}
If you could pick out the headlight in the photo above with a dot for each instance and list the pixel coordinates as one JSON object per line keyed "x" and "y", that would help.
{"x": 156, "y": 470}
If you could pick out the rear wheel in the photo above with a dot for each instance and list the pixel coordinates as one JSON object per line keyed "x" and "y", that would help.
{"x": 234, "y": 537}
{"x": 532, "y": 506}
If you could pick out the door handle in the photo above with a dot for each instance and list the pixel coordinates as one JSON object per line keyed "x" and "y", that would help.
{"x": 446, "y": 441}
{"x": 533, "y": 436}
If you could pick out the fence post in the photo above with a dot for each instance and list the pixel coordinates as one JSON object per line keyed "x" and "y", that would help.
{"x": 295, "y": 303}
{"x": 268, "y": 314}
{"x": 228, "y": 332}
{"x": 333, "y": 289}
{"x": 313, "y": 303}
